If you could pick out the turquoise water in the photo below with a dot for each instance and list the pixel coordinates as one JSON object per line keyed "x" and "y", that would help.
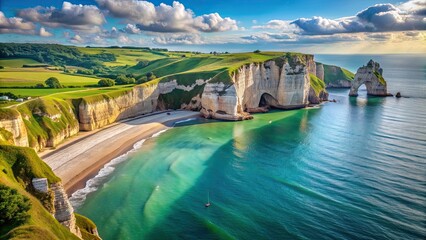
{"x": 354, "y": 169}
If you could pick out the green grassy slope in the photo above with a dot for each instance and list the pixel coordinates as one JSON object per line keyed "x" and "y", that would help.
{"x": 332, "y": 74}
{"x": 317, "y": 84}
{"x": 17, "y": 166}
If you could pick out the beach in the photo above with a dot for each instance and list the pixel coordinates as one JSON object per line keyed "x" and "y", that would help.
{"x": 83, "y": 156}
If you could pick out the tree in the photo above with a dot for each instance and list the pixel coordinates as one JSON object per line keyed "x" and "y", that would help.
{"x": 39, "y": 85}
{"x": 106, "y": 83}
{"x": 257, "y": 51}
{"x": 53, "y": 82}
{"x": 13, "y": 206}
{"x": 150, "y": 76}
{"x": 122, "y": 79}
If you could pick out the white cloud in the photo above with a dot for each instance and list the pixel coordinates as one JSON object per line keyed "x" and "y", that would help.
{"x": 44, "y": 33}
{"x": 15, "y": 25}
{"x": 77, "y": 39}
{"x": 84, "y": 18}
{"x": 165, "y": 18}
{"x": 285, "y": 26}
{"x": 178, "y": 38}
{"x": 377, "y": 18}
{"x": 132, "y": 29}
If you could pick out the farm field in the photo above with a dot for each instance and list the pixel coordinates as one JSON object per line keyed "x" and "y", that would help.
{"x": 31, "y": 78}
{"x": 16, "y": 62}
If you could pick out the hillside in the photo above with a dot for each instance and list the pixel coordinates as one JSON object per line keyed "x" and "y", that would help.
{"x": 18, "y": 167}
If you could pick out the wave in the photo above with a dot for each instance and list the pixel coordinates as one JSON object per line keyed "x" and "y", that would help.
{"x": 78, "y": 197}
{"x": 183, "y": 121}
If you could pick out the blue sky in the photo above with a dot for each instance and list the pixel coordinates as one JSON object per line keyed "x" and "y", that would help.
{"x": 327, "y": 26}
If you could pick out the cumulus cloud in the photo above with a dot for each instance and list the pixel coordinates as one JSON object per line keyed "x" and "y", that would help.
{"x": 282, "y": 25}
{"x": 44, "y": 33}
{"x": 377, "y": 18}
{"x": 178, "y": 38}
{"x": 132, "y": 29}
{"x": 77, "y": 39}
{"x": 84, "y": 18}
{"x": 269, "y": 37}
{"x": 165, "y": 18}
{"x": 15, "y": 25}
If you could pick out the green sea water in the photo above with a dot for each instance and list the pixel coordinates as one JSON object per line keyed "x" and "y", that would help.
{"x": 354, "y": 169}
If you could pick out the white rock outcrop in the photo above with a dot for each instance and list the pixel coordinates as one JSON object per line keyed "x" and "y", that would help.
{"x": 255, "y": 85}
{"x": 371, "y": 76}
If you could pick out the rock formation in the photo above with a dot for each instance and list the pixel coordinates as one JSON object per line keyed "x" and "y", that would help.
{"x": 371, "y": 76}
{"x": 64, "y": 212}
{"x": 283, "y": 83}
{"x": 15, "y": 125}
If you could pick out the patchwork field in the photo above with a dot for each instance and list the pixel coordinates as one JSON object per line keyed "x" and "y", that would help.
{"x": 31, "y": 78}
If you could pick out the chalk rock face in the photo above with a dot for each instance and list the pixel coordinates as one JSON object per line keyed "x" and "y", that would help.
{"x": 136, "y": 101}
{"x": 64, "y": 212}
{"x": 254, "y": 86}
{"x": 371, "y": 76}
{"x": 16, "y": 126}
{"x": 319, "y": 71}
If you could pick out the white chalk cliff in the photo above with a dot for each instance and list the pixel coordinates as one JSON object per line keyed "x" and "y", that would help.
{"x": 371, "y": 76}
{"x": 283, "y": 84}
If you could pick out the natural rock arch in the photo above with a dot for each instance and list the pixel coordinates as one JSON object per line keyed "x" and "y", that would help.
{"x": 371, "y": 77}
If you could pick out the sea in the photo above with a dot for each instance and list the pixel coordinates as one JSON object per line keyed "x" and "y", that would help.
{"x": 350, "y": 169}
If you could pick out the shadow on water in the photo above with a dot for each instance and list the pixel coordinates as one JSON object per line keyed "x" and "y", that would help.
{"x": 238, "y": 211}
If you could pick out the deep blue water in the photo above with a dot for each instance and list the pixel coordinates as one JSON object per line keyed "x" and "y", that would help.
{"x": 354, "y": 169}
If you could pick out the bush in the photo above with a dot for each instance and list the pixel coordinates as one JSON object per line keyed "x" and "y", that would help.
{"x": 106, "y": 83}
{"x": 150, "y": 76}
{"x": 53, "y": 82}
{"x": 142, "y": 79}
{"x": 39, "y": 85}
{"x": 122, "y": 79}
{"x": 13, "y": 206}
{"x": 257, "y": 51}
{"x": 1, "y": 67}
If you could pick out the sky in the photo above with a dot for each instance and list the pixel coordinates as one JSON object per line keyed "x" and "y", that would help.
{"x": 310, "y": 26}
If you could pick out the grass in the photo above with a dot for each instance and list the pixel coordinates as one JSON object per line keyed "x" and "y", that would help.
{"x": 333, "y": 74}
{"x": 28, "y": 79}
{"x": 40, "y": 127}
{"x": 37, "y": 92}
{"x": 380, "y": 77}
{"x": 87, "y": 227}
{"x": 125, "y": 56}
{"x": 17, "y": 62}
{"x": 317, "y": 84}
{"x": 17, "y": 166}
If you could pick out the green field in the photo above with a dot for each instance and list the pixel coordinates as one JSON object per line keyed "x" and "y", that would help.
{"x": 37, "y": 92}
{"x": 16, "y": 62}
{"x": 26, "y": 78}
{"x": 126, "y": 56}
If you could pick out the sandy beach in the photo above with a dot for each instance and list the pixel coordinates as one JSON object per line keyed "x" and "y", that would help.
{"x": 80, "y": 158}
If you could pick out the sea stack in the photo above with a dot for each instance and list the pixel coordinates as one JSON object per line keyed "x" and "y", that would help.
{"x": 372, "y": 76}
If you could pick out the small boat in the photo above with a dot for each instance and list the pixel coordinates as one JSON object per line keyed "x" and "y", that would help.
{"x": 208, "y": 201}
{"x": 270, "y": 122}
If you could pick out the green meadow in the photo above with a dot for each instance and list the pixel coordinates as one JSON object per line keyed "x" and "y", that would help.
{"x": 17, "y": 78}
{"x": 17, "y": 62}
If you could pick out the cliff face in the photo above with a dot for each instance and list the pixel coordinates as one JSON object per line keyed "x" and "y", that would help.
{"x": 334, "y": 76}
{"x": 282, "y": 83}
{"x": 104, "y": 109}
{"x": 15, "y": 125}
{"x": 371, "y": 76}
{"x": 64, "y": 212}
{"x": 40, "y": 123}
